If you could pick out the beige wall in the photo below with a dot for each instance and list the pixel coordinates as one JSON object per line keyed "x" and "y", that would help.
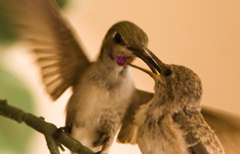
{"x": 202, "y": 35}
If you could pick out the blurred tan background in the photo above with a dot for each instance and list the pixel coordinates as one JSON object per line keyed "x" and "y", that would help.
{"x": 202, "y": 35}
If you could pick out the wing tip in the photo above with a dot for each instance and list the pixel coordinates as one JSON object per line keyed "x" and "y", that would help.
{"x": 128, "y": 135}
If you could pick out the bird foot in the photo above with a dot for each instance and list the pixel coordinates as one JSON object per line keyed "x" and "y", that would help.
{"x": 101, "y": 152}
{"x": 104, "y": 141}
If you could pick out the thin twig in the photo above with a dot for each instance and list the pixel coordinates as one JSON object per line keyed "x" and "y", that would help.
{"x": 54, "y": 137}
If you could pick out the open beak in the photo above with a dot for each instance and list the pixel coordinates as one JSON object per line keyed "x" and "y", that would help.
{"x": 150, "y": 59}
{"x": 144, "y": 70}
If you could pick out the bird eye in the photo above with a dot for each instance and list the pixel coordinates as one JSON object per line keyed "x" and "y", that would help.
{"x": 118, "y": 39}
{"x": 167, "y": 72}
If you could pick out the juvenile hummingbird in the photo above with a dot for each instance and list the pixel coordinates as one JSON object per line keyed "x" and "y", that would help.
{"x": 171, "y": 122}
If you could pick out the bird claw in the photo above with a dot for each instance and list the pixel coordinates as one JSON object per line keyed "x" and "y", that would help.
{"x": 101, "y": 152}
{"x": 103, "y": 141}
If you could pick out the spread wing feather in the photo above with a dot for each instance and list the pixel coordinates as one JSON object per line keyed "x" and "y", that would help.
{"x": 58, "y": 53}
{"x": 226, "y": 126}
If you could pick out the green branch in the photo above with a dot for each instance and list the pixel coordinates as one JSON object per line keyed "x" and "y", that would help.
{"x": 54, "y": 137}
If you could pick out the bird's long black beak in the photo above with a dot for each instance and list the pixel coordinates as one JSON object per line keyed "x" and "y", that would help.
{"x": 150, "y": 59}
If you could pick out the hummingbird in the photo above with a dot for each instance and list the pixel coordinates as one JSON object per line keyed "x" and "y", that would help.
{"x": 102, "y": 89}
{"x": 171, "y": 122}
{"x": 194, "y": 120}
{"x": 104, "y": 97}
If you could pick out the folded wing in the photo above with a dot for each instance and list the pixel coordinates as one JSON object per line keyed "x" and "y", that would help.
{"x": 198, "y": 135}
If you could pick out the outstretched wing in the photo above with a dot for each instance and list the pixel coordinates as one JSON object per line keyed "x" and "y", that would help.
{"x": 58, "y": 53}
{"x": 198, "y": 135}
{"x": 128, "y": 131}
{"x": 226, "y": 126}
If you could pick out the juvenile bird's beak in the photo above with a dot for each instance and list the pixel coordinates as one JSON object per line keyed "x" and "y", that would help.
{"x": 152, "y": 74}
{"x": 151, "y": 60}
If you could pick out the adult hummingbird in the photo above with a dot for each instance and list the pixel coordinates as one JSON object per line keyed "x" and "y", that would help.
{"x": 102, "y": 89}
{"x": 171, "y": 122}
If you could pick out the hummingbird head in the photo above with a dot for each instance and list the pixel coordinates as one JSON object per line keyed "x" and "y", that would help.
{"x": 123, "y": 42}
{"x": 175, "y": 83}
{"x": 180, "y": 84}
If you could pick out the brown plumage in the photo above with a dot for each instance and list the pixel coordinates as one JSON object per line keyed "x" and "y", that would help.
{"x": 171, "y": 122}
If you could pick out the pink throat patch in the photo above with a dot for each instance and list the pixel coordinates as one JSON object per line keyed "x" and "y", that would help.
{"x": 123, "y": 61}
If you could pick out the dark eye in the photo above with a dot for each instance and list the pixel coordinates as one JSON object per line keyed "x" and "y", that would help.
{"x": 167, "y": 72}
{"x": 118, "y": 39}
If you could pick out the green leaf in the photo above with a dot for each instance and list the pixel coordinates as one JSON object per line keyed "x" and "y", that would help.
{"x": 7, "y": 35}
{"x": 14, "y": 137}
